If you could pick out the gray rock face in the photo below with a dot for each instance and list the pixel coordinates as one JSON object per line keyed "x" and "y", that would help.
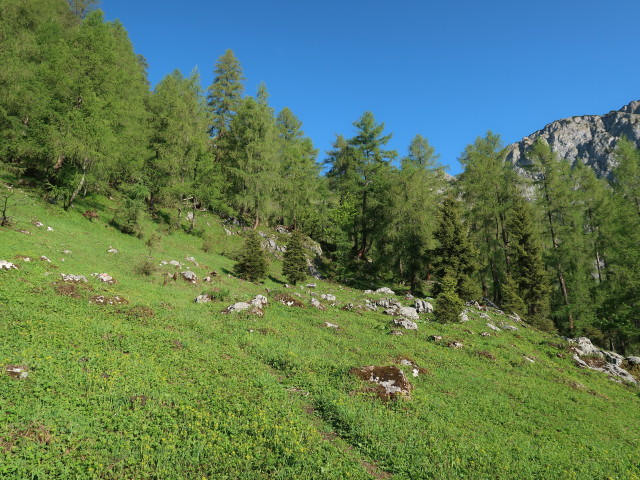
{"x": 590, "y": 139}
{"x": 73, "y": 278}
{"x": 587, "y": 355}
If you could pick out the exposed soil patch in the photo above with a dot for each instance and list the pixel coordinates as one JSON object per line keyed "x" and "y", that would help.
{"x": 73, "y": 290}
{"x": 138, "y": 312}
{"x": 390, "y": 382}
{"x": 138, "y": 401}
{"x": 288, "y": 300}
{"x": 594, "y": 361}
{"x": 17, "y": 371}
{"x": 485, "y": 354}
{"x": 176, "y": 345}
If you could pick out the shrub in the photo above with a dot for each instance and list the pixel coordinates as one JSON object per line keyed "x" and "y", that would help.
{"x": 207, "y": 243}
{"x": 146, "y": 267}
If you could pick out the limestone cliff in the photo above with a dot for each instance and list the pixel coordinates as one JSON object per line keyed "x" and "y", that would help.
{"x": 590, "y": 139}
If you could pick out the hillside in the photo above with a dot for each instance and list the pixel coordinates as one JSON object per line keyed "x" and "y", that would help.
{"x": 590, "y": 139}
{"x": 159, "y": 386}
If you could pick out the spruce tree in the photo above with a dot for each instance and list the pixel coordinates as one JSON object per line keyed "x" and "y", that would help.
{"x": 511, "y": 300}
{"x": 529, "y": 281}
{"x": 448, "y": 304}
{"x": 294, "y": 267}
{"x": 251, "y": 264}
{"x": 455, "y": 256}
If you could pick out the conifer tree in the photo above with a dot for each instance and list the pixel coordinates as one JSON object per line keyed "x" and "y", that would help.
{"x": 294, "y": 267}
{"x": 511, "y": 300}
{"x": 225, "y": 93}
{"x": 529, "y": 280}
{"x": 455, "y": 256}
{"x": 252, "y": 263}
{"x": 448, "y": 304}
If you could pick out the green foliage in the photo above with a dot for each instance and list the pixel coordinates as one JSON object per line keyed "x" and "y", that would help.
{"x": 251, "y": 264}
{"x": 449, "y": 305}
{"x": 294, "y": 266}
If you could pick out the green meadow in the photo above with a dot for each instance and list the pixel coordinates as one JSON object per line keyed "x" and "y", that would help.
{"x": 157, "y": 386}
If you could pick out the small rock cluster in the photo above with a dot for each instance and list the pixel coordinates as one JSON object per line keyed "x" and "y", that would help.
{"x": 584, "y": 352}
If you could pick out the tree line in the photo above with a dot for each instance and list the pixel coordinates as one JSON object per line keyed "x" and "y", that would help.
{"x": 555, "y": 244}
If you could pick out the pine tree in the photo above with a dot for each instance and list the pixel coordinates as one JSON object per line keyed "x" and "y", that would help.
{"x": 448, "y": 304}
{"x": 251, "y": 264}
{"x": 294, "y": 267}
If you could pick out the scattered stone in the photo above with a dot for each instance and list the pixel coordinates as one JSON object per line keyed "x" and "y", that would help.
{"x": 237, "y": 307}
{"x": 20, "y": 257}
{"x": 397, "y": 333}
{"x": 316, "y": 303}
{"x": 384, "y": 291}
{"x": 408, "y": 312}
{"x": 515, "y": 317}
{"x": 6, "y": 265}
{"x": 529, "y": 359}
{"x": 228, "y": 232}
{"x": 485, "y": 334}
{"x": 466, "y": 330}
{"x": 464, "y": 317}
{"x": 455, "y": 344}
{"x": 408, "y": 296}
{"x": 435, "y": 338}
{"x": 66, "y": 252}
{"x": 328, "y": 297}
{"x": 25, "y": 232}
{"x": 485, "y": 316}
{"x": 311, "y": 285}
{"x": 391, "y": 382}
{"x": 406, "y": 323}
{"x": 288, "y": 300}
{"x": 37, "y": 223}
{"x": 387, "y": 303}
{"x": 192, "y": 260}
{"x": 105, "y": 278}
{"x": 189, "y": 277}
{"x": 368, "y": 292}
{"x": 493, "y": 327}
{"x": 49, "y": 229}
{"x": 422, "y": 306}
{"x": 104, "y": 300}
{"x": 330, "y": 325}
{"x": 19, "y": 372}
{"x": 203, "y": 299}
{"x": 633, "y": 360}
{"x": 112, "y": 250}
{"x": 510, "y": 328}
{"x": 259, "y": 301}
{"x": 73, "y": 278}
{"x": 175, "y": 263}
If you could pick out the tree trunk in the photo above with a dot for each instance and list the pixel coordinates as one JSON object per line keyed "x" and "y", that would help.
{"x": 76, "y": 191}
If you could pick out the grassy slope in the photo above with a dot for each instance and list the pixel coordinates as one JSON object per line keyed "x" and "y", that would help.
{"x": 190, "y": 393}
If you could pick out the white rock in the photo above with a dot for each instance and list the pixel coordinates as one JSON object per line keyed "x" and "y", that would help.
{"x": 49, "y": 229}
{"x": 408, "y": 312}
{"x": 330, "y": 325}
{"x": 189, "y": 276}
{"x": 422, "y": 306}
{"x": 73, "y": 278}
{"x": 112, "y": 250}
{"x": 6, "y": 265}
{"x": 45, "y": 259}
{"x": 385, "y": 291}
{"x": 493, "y": 327}
{"x": 259, "y": 301}
{"x": 328, "y": 297}
{"x": 316, "y": 303}
{"x": 464, "y": 317}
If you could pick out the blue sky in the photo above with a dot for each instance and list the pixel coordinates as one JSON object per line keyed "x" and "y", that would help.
{"x": 448, "y": 70}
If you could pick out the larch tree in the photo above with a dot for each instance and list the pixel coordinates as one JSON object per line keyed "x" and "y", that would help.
{"x": 294, "y": 266}
{"x": 224, "y": 95}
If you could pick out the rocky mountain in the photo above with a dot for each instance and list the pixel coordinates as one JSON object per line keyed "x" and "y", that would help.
{"x": 590, "y": 139}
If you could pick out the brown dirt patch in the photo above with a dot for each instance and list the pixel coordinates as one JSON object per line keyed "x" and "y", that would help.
{"x": 485, "y": 354}
{"x": 138, "y": 312}
{"x": 177, "y": 345}
{"x": 35, "y": 432}
{"x": 390, "y": 382}
{"x": 288, "y": 300}
{"x": 594, "y": 361}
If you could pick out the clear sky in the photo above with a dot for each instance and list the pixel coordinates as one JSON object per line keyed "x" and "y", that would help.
{"x": 448, "y": 70}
